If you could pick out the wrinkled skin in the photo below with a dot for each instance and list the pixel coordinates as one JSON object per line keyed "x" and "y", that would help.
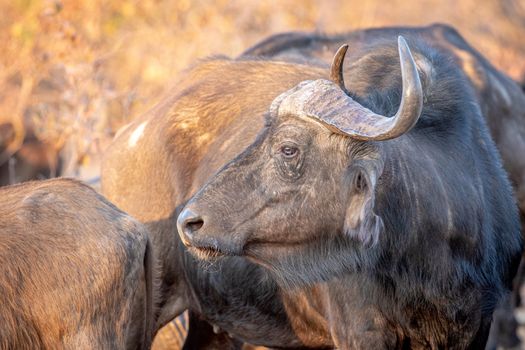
{"x": 279, "y": 209}
{"x": 314, "y": 207}
{"x": 174, "y": 157}
{"x": 500, "y": 98}
{"x": 212, "y": 115}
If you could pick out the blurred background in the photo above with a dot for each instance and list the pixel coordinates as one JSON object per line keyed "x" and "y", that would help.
{"x": 73, "y": 72}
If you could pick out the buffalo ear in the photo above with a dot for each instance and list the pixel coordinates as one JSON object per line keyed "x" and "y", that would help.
{"x": 361, "y": 223}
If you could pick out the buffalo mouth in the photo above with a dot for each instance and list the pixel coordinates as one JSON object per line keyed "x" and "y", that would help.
{"x": 206, "y": 253}
{"x": 212, "y": 250}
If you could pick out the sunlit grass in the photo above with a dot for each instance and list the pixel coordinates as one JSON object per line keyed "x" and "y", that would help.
{"x": 93, "y": 65}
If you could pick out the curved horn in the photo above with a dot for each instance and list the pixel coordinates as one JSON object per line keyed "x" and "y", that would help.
{"x": 412, "y": 98}
{"x": 336, "y": 70}
{"x": 327, "y": 103}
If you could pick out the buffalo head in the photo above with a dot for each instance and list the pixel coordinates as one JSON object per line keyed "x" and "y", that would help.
{"x": 305, "y": 189}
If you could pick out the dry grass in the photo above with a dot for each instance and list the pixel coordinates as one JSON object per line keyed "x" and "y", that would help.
{"x": 72, "y": 71}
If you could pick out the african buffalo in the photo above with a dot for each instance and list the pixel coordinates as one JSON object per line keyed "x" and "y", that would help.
{"x": 407, "y": 223}
{"x": 24, "y": 158}
{"x": 501, "y": 100}
{"x": 215, "y": 112}
{"x": 75, "y": 271}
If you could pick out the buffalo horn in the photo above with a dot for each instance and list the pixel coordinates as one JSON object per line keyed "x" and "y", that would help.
{"x": 336, "y": 71}
{"x": 328, "y": 103}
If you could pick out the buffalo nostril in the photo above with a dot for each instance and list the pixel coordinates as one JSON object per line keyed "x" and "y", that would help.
{"x": 194, "y": 224}
{"x": 188, "y": 223}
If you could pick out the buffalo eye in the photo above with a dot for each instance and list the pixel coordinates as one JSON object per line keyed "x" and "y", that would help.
{"x": 289, "y": 152}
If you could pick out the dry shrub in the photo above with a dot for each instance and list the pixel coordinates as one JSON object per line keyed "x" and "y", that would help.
{"x": 72, "y": 72}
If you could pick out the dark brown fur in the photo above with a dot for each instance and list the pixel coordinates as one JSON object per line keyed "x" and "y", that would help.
{"x": 502, "y": 100}
{"x": 178, "y": 151}
{"x": 213, "y": 113}
{"x": 414, "y": 240}
{"x": 76, "y": 271}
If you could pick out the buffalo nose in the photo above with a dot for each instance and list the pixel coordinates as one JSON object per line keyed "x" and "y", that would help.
{"x": 188, "y": 223}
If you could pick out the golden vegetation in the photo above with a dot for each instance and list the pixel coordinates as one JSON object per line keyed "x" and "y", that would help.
{"x": 73, "y": 71}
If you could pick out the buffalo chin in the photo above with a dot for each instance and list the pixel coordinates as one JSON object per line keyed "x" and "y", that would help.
{"x": 313, "y": 262}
